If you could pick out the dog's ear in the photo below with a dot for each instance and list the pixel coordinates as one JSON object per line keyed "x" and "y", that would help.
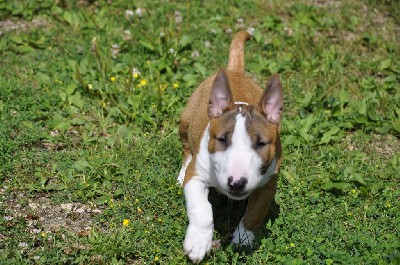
{"x": 221, "y": 96}
{"x": 271, "y": 102}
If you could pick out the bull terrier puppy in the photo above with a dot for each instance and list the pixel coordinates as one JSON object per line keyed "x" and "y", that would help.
{"x": 230, "y": 130}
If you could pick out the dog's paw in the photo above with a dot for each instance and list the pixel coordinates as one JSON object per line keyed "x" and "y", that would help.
{"x": 198, "y": 242}
{"x": 242, "y": 236}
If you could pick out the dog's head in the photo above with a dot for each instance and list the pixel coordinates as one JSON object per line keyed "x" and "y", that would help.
{"x": 243, "y": 137}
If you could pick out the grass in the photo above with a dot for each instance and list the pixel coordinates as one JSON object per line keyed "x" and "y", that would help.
{"x": 90, "y": 97}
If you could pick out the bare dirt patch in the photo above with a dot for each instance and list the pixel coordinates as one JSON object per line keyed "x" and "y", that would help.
{"x": 385, "y": 146}
{"x": 22, "y": 25}
{"x": 42, "y": 214}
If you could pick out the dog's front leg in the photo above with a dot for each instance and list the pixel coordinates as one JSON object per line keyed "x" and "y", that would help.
{"x": 257, "y": 209}
{"x": 198, "y": 239}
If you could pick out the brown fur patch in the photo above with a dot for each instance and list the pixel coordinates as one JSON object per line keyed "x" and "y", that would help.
{"x": 263, "y": 135}
{"x": 222, "y": 128}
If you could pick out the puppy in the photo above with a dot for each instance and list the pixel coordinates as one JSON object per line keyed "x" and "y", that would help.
{"x": 230, "y": 130}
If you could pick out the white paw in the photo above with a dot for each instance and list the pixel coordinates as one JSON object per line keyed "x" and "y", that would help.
{"x": 198, "y": 242}
{"x": 242, "y": 236}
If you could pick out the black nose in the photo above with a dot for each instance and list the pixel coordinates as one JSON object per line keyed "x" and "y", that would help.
{"x": 238, "y": 185}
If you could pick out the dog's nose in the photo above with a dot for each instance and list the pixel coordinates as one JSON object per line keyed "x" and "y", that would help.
{"x": 238, "y": 185}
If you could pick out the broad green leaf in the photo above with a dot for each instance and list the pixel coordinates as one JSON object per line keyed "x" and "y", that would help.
{"x": 55, "y": 186}
{"x": 329, "y": 135}
{"x": 81, "y": 165}
{"x": 385, "y": 64}
{"x": 119, "y": 192}
{"x": 338, "y": 185}
{"x": 185, "y": 41}
{"x": 147, "y": 45}
{"x": 76, "y": 100}
{"x": 359, "y": 178}
{"x": 77, "y": 121}
{"x": 200, "y": 69}
{"x": 102, "y": 200}
{"x": 71, "y": 89}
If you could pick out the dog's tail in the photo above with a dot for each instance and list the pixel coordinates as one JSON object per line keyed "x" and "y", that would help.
{"x": 236, "y": 52}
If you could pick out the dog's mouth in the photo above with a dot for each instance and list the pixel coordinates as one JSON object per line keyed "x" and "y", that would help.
{"x": 234, "y": 195}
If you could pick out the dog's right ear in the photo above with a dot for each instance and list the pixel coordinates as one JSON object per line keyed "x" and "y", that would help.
{"x": 221, "y": 96}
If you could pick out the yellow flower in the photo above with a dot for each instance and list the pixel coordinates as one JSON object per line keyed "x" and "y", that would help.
{"x": 156, "y": 258}
{"x": 143, "y": 82}
{"x": 175, "y": 85}
{"x": 103, "y": 104}
{"x": 139, "y": 210}
{"x": 163, "y": 87}
{"x": 292, "y": 245}
{"x": 113, "y": 78}
{"x": 135, "y": 75}
{"x": 126, "y": 222}
{"x": 388, "y": 205}
{"x": 44, "y": 234}
{"x": 353, "y": 191}
{"x": 90, "y": 86}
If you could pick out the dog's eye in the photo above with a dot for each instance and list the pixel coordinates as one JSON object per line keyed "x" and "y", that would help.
{"x": 261, "y": 143}
{"x": 221, "y": 139}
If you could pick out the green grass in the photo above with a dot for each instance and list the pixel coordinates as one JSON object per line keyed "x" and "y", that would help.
{"x": 78, "y": 127}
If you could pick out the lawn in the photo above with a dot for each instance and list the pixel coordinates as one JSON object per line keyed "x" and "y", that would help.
{"x": 90, "y": 97}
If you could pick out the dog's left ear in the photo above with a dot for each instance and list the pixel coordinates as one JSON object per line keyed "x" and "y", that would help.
{"x": 221, "y": 96}
{"x": 271, "y": 102}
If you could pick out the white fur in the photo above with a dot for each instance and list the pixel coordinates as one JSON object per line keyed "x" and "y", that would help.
{"x": 198, "y": 239}
{"x": 242, "y": 236}
{"x": 203, "y": 162}
{"x": 213, "y": 170}
{"x": 239, "y": 160}
{"x": 182, "y": 172}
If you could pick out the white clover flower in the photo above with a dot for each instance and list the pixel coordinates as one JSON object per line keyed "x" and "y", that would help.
{"x": 213, "y": 31}
{"x": 139, "y": 12}
{"x": 207, "y": 44}
{"x": 115, "y": 49}
{"x": 289, "y": 31}
{"x": 126, "y": 35}
{"x": 129, "y": 14}
{"x": 229, "y": 30}
{"x": 239, "y": 23}
{"x": 195, "y": 54}
{"x": 36, "y": 231}
{"x": 8, "y": 218}
{"x": 172, "y": 51}
{"x": 23, "y": 245}
{"x": 251, "y": 31}
{"x": 178, "y": 17}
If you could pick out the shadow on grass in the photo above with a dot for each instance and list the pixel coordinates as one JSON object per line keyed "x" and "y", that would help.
{"x": 227, "y": 214}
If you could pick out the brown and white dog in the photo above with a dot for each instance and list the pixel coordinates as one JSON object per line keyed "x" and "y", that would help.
{"x": 230, "y": 130}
